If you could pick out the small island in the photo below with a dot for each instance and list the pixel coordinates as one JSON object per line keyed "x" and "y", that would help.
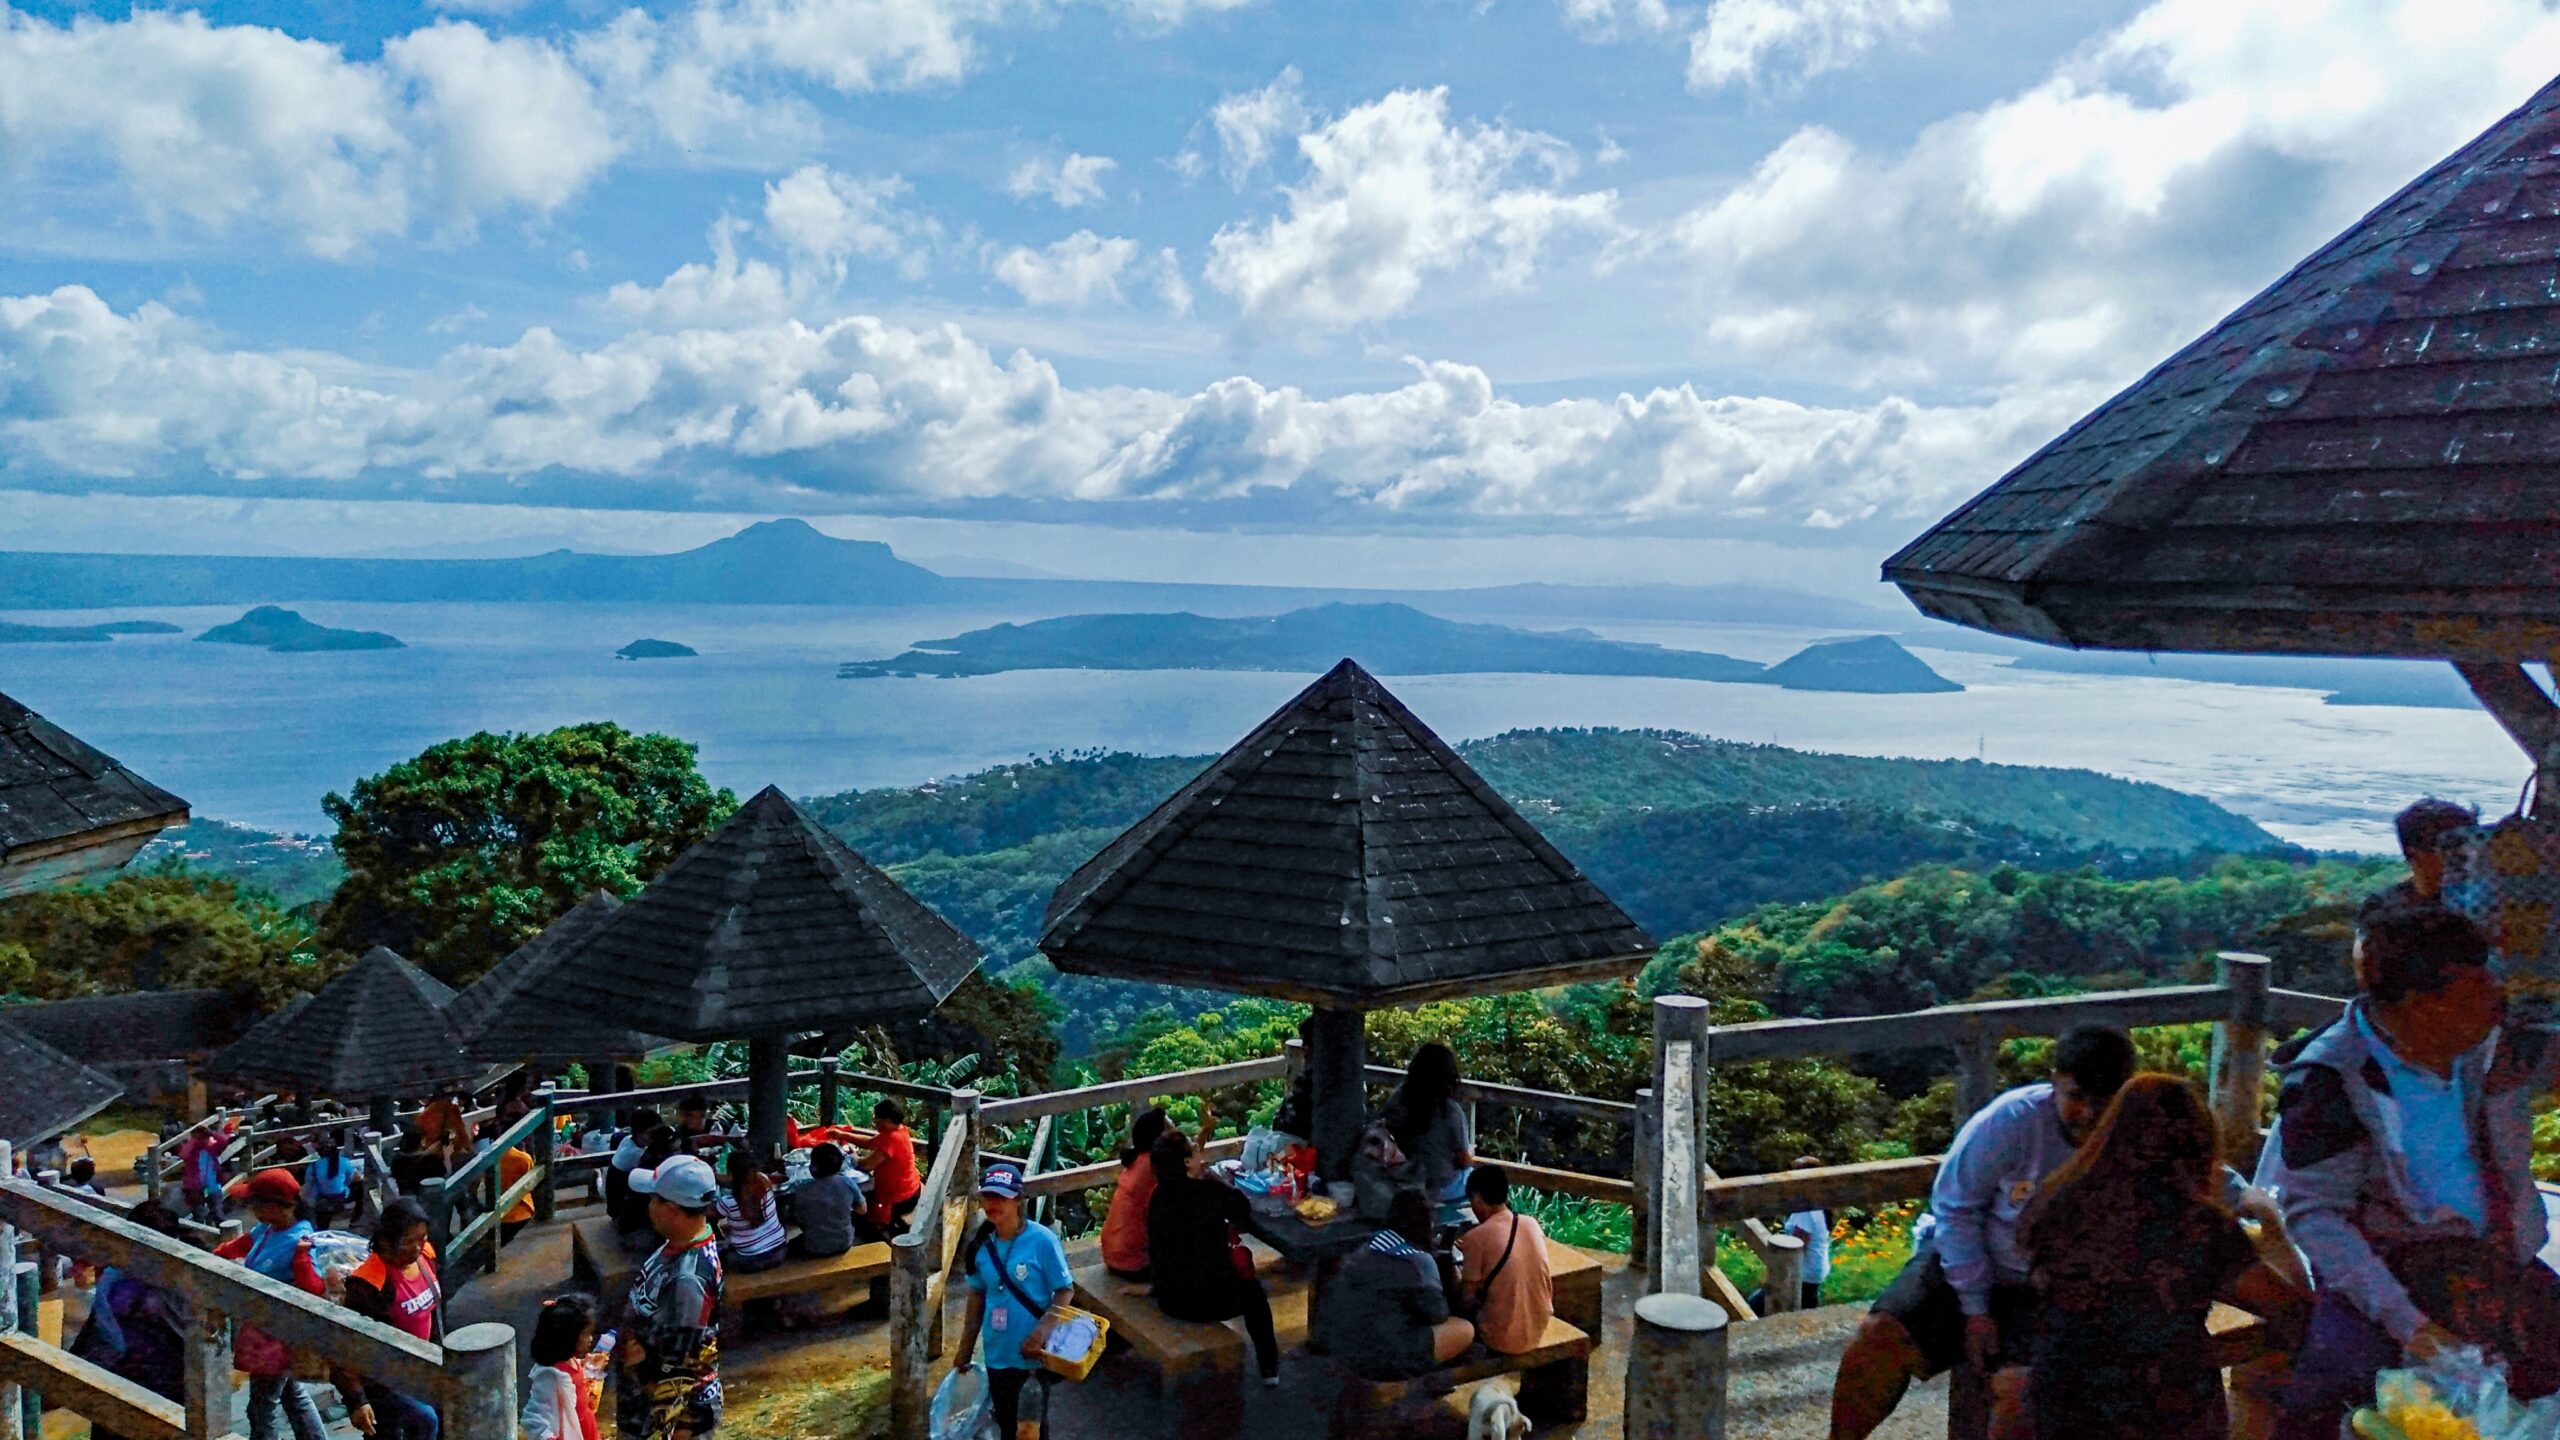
{"x": 1867, "y": 665}
{"x": 1391, "y": 639}
{"x": 654, "y": 650}
{"x": 13, "y": 633}
{"x": 274, "y": 628}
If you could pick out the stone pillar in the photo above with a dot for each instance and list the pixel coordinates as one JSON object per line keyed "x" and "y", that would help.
{"x": 480, "y": 1400}
{"x": 1678, "y": 1018}
{"x": 1676, "y": 1369}
{"x": 546, "y": 1153}
{"x": 912, "y": 1351}
{"x": 1340, "y": 1065}
{"x": 828, "y": 1065}
{"x": 1977, "y": 1072}
{"x": 208, "y": 1377}
{"x": 1646, "y": 1202}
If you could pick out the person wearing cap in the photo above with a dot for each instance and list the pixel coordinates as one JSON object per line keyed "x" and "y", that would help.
{"x": 667, "y": 1374}
{"x": 1017, "y": 1270}
{"x": 278, "y": 1247}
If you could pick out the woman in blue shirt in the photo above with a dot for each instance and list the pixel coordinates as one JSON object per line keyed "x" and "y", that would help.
{"x": 1017, "y": 1270}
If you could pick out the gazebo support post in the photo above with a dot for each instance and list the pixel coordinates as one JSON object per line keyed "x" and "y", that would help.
{"x": 2526, "y": 712}
{"x": 1339, "y": 1063}
{"x": 383, "y": 1119}
{"x": 768, "y": 1093}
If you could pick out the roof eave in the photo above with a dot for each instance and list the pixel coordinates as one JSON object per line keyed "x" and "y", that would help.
{"x": 1117, "y": 966}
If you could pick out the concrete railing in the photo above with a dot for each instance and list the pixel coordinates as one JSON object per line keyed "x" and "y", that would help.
{"x": 920, "y": 1267}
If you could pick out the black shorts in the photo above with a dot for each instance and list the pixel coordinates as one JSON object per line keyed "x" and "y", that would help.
{"x": 1928, "y": 1307}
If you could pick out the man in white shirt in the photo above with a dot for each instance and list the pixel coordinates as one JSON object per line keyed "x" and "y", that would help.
{"x": 1813, "y": 1227}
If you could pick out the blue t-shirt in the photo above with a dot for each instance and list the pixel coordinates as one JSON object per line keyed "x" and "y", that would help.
{"x": 271, "y": 1251}
{"x": 1037, "y": 1264}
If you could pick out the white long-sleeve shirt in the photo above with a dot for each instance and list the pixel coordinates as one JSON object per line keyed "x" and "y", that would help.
{"x": 2000, "y": 1156}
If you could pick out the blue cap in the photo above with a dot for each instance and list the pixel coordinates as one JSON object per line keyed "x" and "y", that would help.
{"x": 1004, "y": 1179}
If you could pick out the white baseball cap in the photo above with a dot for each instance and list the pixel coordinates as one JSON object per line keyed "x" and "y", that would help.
{"x": 678, "y": 1180}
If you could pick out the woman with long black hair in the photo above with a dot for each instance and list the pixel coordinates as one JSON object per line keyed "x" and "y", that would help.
{"x": 1430, "y": 1126}
{"x": 1192, "y": 1249}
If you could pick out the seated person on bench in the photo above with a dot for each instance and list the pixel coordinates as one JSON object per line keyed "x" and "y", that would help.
{"x": 750, "y": 1212}
{"x": 1386, "y": 1316}
{"x": 1506, "y": 1280}
{"x": 894, "y": 1181}
{"x": 1189, "y": 1219}
{"x": 828, "y": 1205}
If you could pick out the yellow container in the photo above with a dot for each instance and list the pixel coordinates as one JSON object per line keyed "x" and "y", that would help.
{"x": 1079, "y": 1334}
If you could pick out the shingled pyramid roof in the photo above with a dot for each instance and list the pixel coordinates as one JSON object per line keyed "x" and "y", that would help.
{"x": 1340, "y": 853}
{"x": 770, "y": 926}
{"x": 514, "y": 1014}
{"x": 44, "y": 1092}
{"x": 379, "y": 1029}
{"x": 65, "y": 809}
{"x": 2363, "y": 460}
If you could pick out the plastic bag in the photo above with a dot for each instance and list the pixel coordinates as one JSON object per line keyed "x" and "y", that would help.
{"x": 2459, "y": 1395}
{"x": 962, "y": 1409}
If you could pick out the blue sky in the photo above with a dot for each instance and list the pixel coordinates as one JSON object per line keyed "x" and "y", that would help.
{"x": 1568, "y": 289}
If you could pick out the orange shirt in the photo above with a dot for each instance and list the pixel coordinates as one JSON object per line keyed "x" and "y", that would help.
{"x": 512, "y": 1167}
{"x": 1523, "y": 1298}
{"x": 1124, "y": 1226}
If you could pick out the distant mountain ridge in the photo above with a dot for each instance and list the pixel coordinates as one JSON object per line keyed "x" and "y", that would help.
{"x": 1392, "y": 639}
{"x": 789, "y": 562}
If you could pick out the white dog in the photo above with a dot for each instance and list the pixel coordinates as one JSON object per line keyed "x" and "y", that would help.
{"x": 1494, "y": 1414}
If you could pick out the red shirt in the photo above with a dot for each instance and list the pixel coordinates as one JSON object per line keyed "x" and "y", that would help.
{"x": 893, "y": 1168}
{"x": 412, "y": 1300}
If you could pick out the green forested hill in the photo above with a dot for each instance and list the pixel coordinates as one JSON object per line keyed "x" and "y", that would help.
{"x": 1686, "y": 832}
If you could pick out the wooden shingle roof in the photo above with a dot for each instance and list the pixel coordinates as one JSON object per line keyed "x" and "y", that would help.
{"x": 379, "y": 1029}
{"x": 771, "y": 926}
{"x": 1341, "y": 853}
{"x": 2362, "y": 460}
{"x": 44, "y": 1092}
{"x": 140, "y": 1026}
{"x": 67, "y": 810}
{"x": 515, "y": 1014}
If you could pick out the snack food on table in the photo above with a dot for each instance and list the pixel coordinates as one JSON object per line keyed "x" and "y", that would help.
{"x": 1316, "y": 1209}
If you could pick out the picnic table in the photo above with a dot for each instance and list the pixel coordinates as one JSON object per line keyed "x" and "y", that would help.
{"x": 1320, "y": 1248}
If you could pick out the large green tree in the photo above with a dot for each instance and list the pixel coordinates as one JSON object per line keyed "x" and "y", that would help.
{"x": 460, "y": 855}
{"x": 166, "y": 929}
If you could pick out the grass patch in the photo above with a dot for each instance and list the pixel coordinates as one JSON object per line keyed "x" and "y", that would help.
{"x": 123, "y": 1117}
{"x": 1582, "y": 1224}
{"x": 849, "y": 1409}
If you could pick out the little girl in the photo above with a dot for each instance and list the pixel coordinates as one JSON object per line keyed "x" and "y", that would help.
{"x": 560, "y": 1395}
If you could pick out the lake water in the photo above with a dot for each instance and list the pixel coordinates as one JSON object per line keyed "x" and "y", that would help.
{"x": 257, "y": 737}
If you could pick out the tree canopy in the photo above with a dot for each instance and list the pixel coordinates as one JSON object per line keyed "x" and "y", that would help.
{"x": 458, "y": 856}
{"x": 162, "y": 929}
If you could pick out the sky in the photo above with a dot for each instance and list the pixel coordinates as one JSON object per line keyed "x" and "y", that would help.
{"x": 1441, "y": 291}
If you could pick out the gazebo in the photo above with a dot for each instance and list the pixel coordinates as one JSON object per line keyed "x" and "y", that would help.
{"x": 67, "y": 811}
{"x": 513, "y": 1014}
{"x": 1342, "y": 856}
{"x": 44, "y": 1092}
{"x": 770, "y": 928}
{"x": 377, "y": 1032}
{"x": 2362, "y": 460}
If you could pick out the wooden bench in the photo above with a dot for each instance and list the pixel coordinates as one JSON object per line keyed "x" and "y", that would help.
{"x": 1199, "y": 1366}
{"x": 1555, "y": 1386}
{"x": 598, "y": 1264}
{"x": 829, "y": 1284}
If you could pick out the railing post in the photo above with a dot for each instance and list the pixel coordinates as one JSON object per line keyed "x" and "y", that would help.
{"x": 439, "y": 1207}
{"x": 1676, "y": 1369}
{"x": 1977, "y": 1072}
{"x": 828, "y": 1065}
{"x": 911, "y": 1339}
{"x": 1783, "y": 1290}
{"x": 12, "y": 1418}
{"x": 1682, "y": 1019}
{"x": 480, "y": 1402}
{"x": 1646, "y": 1201}
{"x": 2240, "y": 1056}
{"x": 29, "y": 1290}
{"x": 208, "y": 1377}
{"x": 546, "y": 1150}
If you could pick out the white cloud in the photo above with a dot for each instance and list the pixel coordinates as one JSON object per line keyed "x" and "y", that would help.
{"x": 1394, "y": 192}
{"x": 1750, "y": 41}
{"x": 1078, "y": 270}
{"x": 1068, "y": 183}
{"x": 510, "y": 121}
{"x": 727, "y": 292}
{"x": 454, "y": 321}
{"x": 825, "y": 219}
{"x": 1249, "y": 123}
{"x": 1172, "y": 286}
{"x": 1611, "y": 19}
{"x": 2081, "y": 230}
{"x": 859, "y": 409}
